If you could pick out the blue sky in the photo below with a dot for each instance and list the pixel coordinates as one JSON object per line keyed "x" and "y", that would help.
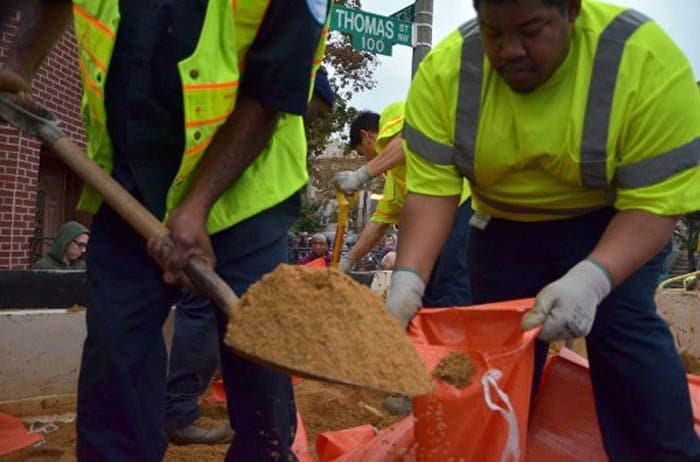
{"x": 680, "y": 19}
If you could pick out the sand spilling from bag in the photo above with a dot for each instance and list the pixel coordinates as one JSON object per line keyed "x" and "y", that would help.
{"x": 322, "y": 324}
{"x": 456, "y": 369}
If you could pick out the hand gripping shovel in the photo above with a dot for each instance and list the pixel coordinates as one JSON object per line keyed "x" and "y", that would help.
{"x": 44, "y": 125}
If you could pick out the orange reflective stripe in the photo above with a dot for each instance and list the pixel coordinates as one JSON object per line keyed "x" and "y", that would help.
{"x": 391, "y": 123}
{"x": 96, "y": 117}
{"x": 199, "y": 147}
{"x": 197, "y": 123}
{"x": 95, "y": 60}
{"x": 95, "y": 22}
{"x": 86, "y": 75}
{"x": 210, "y": 86}
{"x": 401, "y": 179}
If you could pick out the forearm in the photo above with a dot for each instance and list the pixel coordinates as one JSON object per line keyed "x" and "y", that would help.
{"x": 235, "y": 146}
{"x": 369, "y": 237}
{"x": 41, "y": 26}
{"x": 391, "y": 156}
{"x": 426, "y": 222}
{"x": 630, "y": 240}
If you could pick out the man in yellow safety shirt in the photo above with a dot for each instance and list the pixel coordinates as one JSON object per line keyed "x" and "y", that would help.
{"x": 195, "y": 107}
{"x": 378, "y": 139}
{"x": 577, "y": 125}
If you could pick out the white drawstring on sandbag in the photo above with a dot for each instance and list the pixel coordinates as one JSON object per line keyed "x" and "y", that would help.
{"x": 488, "y": 380}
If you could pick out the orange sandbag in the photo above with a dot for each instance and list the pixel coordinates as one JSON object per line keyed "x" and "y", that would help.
{"x": 331, "y": 445}
{"x": 487, "y": 419}
{"x": 13, "y": 435}
{"x": 319, "y": 262}
{"x": 566, "y": 430}
{"x": 393, "y": 444}
{"x": 694, "y": 386}
{"x": 300, "y": 446}
{"x": 217, "y": 392}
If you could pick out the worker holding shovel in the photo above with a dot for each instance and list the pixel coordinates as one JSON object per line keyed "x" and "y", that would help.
{"x": 378, "y": 139}
{"x": 577, "y": 125}
{"x": 160, "y": 79}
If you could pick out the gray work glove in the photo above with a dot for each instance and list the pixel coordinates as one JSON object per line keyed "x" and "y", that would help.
{"x": 346, "y": 264}
{"x": 405, "y": 295}
{"x": 351, "y": 181}
{"x": 566, "y": 308}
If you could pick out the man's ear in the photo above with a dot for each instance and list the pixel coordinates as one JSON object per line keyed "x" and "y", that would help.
{"x": 573, "y": 9}
{"x": 364, "y": 134}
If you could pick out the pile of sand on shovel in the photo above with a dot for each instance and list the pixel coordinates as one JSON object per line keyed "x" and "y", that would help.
{"x": 322, "y": 324}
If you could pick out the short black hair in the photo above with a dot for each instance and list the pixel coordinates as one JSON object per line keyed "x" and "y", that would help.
{"x": 365, "y": 120}
{"x": 560, "y": 4}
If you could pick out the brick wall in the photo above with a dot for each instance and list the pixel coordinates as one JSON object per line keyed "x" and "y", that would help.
{"x": 58, "y": 87}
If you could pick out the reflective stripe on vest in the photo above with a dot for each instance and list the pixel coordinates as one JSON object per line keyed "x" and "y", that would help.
{"x": 606, "y": 65}
{"x": 468, "y": 99}
{"x": 648, "y": 172}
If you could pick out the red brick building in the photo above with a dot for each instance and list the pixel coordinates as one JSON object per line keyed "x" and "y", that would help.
{"x": 37, "y": 193}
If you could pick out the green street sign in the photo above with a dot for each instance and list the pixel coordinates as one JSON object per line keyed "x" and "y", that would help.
{"x": 371, "y": 32}
{"x": 406, "y": 14}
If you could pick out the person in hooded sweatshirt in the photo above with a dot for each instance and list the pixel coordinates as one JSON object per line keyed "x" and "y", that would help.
{"x": 67, "y": 250}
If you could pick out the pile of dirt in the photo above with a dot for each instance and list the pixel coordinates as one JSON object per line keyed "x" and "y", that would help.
{"x": 328, "y": 407}
{"x": 323, "y": 407}
{"x": 321, "y": 323}
{"x": 456, "y": 369}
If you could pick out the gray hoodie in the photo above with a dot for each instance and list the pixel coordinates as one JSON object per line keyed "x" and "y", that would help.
{"x": 54, "y": 259}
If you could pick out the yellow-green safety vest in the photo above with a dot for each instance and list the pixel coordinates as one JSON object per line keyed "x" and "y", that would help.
{"x": 389, "y": 206}
{"x": 209, "y": 94}
{"x": 395, "y": 191}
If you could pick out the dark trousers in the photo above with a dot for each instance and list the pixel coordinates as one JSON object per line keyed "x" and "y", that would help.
{"x": 639, "y": 384}
{"x": 449, "y": 283}
{"x": 194, "y": 357}
{"x": 121, "y": 391}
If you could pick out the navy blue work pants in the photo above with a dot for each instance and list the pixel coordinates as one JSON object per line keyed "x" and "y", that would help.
{"x": 639, "y": 384}
{"x": 121, "y": 391}
{"x": 449, "y": 283}
{"x": 194, "y": 357}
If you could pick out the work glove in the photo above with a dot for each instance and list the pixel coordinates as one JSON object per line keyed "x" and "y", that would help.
{"x": 566, "y": 308}
{"x": 405, "y": 295}
{"x": 346, "y": 264}
{"x": 351, "y": 181}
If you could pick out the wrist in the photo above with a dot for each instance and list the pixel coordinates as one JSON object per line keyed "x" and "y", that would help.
{"x": 594, "y": 276}
{"x": 363, "y": 174}
{"x": 196, "y": 211}
{"x": 602, "y": 268}
{"x": 409, "y": 280}
{"x": 406, "y": 269}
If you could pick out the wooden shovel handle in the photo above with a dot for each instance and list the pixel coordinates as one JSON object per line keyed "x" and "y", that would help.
{"x": 43, "y": 124}
{"x": 143, "y": 221}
